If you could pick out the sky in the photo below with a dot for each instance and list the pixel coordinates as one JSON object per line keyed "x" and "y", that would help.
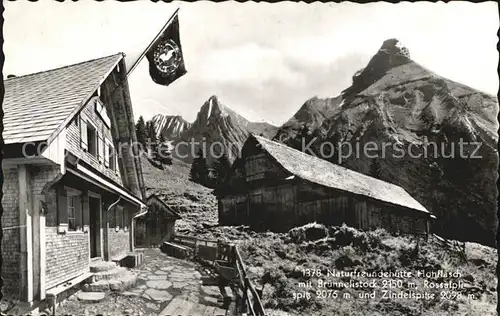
{"x": 262, "y": 60}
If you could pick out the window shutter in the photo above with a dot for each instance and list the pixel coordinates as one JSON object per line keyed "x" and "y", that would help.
{"x": 100, "y": 146}
{"x": 78, "y": 213}
{"x": 62, "y": 210}
{"x": 106, "y": 154}
{"x": 83, "y": 134}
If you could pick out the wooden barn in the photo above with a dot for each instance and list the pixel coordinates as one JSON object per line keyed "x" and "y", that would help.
{"x": 157, "y": 225}
{"x": 274, "y": 187}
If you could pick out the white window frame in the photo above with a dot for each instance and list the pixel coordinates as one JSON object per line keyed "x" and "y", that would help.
{"x": 96, "y": 139}
{"x": 72, "y": 193}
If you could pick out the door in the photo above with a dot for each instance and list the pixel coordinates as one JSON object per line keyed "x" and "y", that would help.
{"x": 95, "y": 227}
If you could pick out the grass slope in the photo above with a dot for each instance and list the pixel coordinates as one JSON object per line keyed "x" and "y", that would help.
{"x": 195, "y": 203}
{"x": 281, "y": 259}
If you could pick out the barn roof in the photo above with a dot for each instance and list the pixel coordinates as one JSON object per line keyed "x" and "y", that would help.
{"x": 166, "y": 207}
{"x": 322, "y": 172}
{"x": 36, "y": 105}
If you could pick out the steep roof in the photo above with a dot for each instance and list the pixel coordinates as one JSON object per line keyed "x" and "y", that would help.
{"x": 324, "y": 173}
{"x": 35, "y": 105}
{"x": 166, "y": 207}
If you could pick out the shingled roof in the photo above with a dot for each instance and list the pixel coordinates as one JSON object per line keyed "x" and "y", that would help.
{"x": 322, "y": 172}
{"x": 36, "y": 105}
{"x": 165, "y": 206}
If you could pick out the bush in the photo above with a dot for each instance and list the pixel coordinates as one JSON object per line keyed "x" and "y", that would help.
{"x": 308, "y": 232}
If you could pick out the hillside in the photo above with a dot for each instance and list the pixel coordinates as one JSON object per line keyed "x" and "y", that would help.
{"x": 195, "y": 203}
{"x": 311, "y": 114}
{"x": 283, "y": 259}
{"x": 415, "y": 121}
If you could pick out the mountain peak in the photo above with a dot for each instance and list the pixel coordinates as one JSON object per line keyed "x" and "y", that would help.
{"x": 391, "y": 54}
{"x": 211, "y": 109}
{"x": 394, "y": 47}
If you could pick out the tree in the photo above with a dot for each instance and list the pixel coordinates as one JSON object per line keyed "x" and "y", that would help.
{"x": 140, "y": 130}
{"x": 152, "y": 140}
{"x": 375, "y": 169}
{"x": 221, "y": 168}
{"x": 164, "y": 154}
{"x": 199, "y": 169}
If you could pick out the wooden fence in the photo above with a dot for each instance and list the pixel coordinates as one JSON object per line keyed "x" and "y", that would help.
{"x": 251, "y": 301}
{"x": 212, "y": 251}
{"x": 453, "y": 245}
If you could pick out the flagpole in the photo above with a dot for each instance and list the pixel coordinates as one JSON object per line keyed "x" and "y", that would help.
{"x": 152, "y": 43}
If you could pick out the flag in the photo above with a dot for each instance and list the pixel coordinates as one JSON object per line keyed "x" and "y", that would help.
{"x": 166, "y": 62}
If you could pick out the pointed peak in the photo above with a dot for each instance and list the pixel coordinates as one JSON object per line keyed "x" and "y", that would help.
{"x": 393, "y": 46}
{"x": 213, "y": 98}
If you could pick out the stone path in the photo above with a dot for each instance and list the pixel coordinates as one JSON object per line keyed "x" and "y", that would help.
{"x": 161, "y": 280}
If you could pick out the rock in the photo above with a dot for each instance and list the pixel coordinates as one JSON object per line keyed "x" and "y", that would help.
{"x": 156, "y": 277}
{"x": 469, "y": 277}
{"x": 178, "y": 285}
{"x": 157, "y": 295}
{"x": 160, "y": 284}
{"x": 91, "y": 297}
{"x": 211, "y": 300}
{"x": 116, "y": 285}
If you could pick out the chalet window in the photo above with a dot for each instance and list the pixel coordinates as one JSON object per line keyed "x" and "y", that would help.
{"x": 125, "y": 219}
{"x": 70, "y": 213}
{"x": 91, "y": 139}
{"x": 121, "y": 219}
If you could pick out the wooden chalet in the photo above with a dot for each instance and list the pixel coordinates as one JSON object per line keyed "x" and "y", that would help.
{"x": 72, "y": 182}
{"x": 157, "y": 225}
{"x": 275, "y": 187}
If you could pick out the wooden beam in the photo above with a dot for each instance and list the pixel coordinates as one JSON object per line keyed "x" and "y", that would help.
{"x": 26, "y": 241}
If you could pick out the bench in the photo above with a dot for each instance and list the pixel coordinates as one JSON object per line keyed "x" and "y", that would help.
{"x": 55, "y": 291}
{"x": 175, "y": 250}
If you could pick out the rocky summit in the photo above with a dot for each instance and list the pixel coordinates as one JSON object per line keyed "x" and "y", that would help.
{"x": 434, "y": 137}
{"x": 218, "y": 125}
{"x": 170, "y": 126}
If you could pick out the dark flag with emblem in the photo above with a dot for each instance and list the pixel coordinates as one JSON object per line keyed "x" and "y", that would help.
{"x": 166, "y": 62}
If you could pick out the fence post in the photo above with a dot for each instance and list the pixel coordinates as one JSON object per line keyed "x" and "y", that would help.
{"x": 244, "y": 307}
